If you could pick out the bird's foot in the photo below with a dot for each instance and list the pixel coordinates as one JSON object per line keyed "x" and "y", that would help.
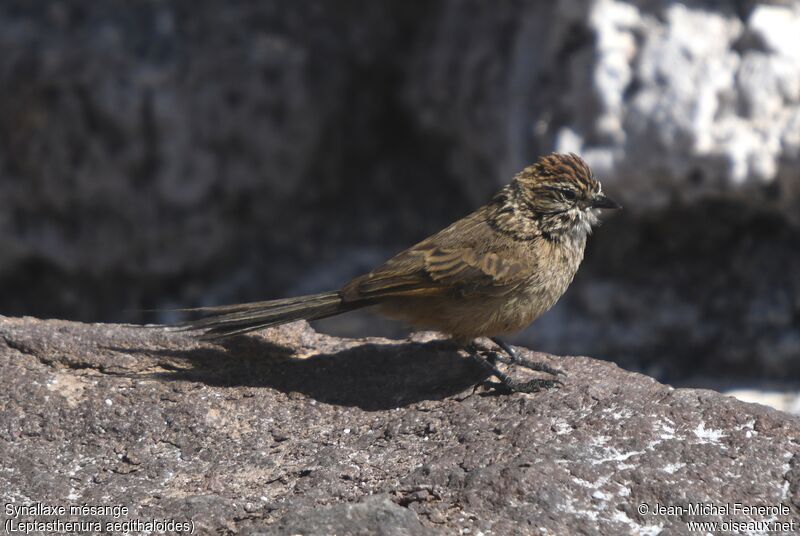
{"x": 530, "y": 386}
{"x": 515, "y": 359}
{"x": 538, "y": 366}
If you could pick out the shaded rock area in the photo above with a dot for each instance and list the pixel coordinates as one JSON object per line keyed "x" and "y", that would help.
{"x": 293, "y": 432}
{"x": 712, "y": 291}
{"x": 216, "y": 138}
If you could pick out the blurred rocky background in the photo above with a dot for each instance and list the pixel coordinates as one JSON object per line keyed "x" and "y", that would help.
{"x": 158, "y": 154}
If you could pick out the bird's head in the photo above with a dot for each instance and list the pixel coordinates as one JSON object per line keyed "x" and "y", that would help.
{"x": 560, "y": 192}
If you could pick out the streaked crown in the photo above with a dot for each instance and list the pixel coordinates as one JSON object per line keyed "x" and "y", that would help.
{"x": 559, "y": 182}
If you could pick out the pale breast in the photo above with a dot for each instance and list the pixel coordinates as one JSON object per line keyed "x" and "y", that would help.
{"x": 469, "y": 317}
{"x": 542, "y": 290}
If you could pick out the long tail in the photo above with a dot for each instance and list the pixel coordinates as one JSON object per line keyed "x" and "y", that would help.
{"x": 228, "y": 320}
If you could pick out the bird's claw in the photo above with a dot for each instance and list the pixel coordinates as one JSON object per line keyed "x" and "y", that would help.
{"x": 488, "y": 360}
{"x": 537, "y": 366}
{"x": 541, "y": 366}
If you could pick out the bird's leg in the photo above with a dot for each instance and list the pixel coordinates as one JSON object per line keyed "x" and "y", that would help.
{"x": 507, "y": 348}
{"x": 516, "y": 359}
{"x": 530, "y": 386}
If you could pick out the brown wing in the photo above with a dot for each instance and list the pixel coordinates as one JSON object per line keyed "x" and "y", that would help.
{"x": 438, "y": 266}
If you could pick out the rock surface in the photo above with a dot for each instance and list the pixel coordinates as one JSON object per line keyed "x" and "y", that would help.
{"x": 293, "y": 432}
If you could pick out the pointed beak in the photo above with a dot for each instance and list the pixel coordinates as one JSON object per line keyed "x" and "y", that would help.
{"x": 601, "y": 201}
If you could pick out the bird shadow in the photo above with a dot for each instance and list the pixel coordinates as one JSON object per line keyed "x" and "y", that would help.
{"x": 369, "y": 376}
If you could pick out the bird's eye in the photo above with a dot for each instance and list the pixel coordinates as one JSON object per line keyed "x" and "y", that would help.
{"x": 569, "y": 195}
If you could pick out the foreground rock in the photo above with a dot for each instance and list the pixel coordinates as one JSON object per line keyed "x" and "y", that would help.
{"x": 294, "y": 432}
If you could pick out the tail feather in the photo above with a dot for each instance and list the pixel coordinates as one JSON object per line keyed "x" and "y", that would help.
{"x": 276, "y": 309}
{"x": 230, "y": 320}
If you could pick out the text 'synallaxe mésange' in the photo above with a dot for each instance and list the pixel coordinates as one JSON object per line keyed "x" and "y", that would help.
{"x": 37, "y": 518}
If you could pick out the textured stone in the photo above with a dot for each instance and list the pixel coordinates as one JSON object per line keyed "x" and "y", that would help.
{"x": 145, "y": 147}
{"x": 289, "y": 431}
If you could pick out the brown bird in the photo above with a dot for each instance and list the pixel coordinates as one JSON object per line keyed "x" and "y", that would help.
{"x": 490, "y": 273}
